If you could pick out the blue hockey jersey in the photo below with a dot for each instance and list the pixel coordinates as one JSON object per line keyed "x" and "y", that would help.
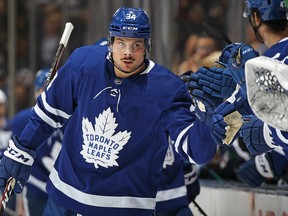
{"x": 116, "y": 138}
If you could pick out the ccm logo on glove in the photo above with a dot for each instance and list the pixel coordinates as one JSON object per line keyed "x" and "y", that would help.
{"x": 263, "y": 166}
{"x": 18, "y": 155}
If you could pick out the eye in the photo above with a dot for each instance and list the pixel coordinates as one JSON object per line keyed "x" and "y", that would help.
{"x": 120, "y": 44}
{"x": 137, "y": 46}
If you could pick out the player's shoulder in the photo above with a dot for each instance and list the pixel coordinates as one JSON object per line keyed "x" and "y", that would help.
{"x": 89, "y": 57}
{"x": 278, "y": 50}
{"x": 162, "y": 74}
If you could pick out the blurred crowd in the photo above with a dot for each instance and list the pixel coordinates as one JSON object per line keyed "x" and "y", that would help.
{"x": 48, "y": 27}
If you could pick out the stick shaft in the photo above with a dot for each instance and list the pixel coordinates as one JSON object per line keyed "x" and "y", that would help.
{"x": 199, "y": 208}
{"x": 60, "y": 50}
{"x": 6, "y": 194}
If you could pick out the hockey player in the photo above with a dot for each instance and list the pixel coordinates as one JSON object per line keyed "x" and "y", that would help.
{"x": 179, "y": 184}
{"x": 34, "y": 194}
{"x": 121, "y": 108}
{"x": 269, "y": 21}
{"x": 273, "y": 137}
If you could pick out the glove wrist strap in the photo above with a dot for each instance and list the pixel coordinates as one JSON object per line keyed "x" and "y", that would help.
{"x": 19, "y": 155}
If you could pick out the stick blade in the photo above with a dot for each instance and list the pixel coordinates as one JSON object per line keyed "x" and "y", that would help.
{"x": 216, "y": 33}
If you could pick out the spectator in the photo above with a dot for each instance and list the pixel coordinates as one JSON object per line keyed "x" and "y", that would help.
{"x": 205, "y": 45}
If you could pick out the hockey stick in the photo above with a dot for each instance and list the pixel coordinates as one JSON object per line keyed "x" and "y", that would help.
{"x": 199, "y": 208}
{"x": 63, "y": 43}
{"x": 216, "y": 33}
{"x": 6, "y": 194}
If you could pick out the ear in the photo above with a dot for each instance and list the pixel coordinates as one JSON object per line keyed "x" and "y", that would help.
{"x": 255, "y": 19}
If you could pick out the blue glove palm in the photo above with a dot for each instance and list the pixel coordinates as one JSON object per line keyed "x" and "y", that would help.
{"x": 216, "y": 81}
{"x": 204, "y": 103}
{"x": 218, "y": 124}
{"x": 236, "y": 63}
{"x": 257, "y": 170}
{"x": 16, "y": 162}
{"x": 252, "y": 134}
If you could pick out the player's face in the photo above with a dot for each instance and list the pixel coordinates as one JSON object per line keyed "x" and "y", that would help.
{"x": 128, "y": 55}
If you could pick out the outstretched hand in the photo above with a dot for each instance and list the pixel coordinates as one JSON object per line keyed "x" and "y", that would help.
{"x": 217, "y": 82}
{"x": 240, "y": 54}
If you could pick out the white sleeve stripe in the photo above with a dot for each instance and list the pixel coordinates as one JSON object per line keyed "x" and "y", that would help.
{"x": 46, "y": 118}
{"x": 185, "y": 142}
{"x": 52, "y": 110}
{"x": 185, "y": 149}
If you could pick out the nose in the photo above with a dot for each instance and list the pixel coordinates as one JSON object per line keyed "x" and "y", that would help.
{"x": 128, "y": 50}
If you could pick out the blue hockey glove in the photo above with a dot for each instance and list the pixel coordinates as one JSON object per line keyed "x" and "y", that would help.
{"x": 203, "y": 102}
{"x": 217, "y": 82}
{"x": 204, "y": 105}
{"x": 218, "y": 124}
{"x": 193, "y": 82}
{"x": 257, "y": 170}
{"x": 185, "y": 77}
{"x": 252, "y": 134}
{"x": 16, "y": 162}
{"x": 226, "y": 53}
{"x": 236, "y": 63}
{"x": 191, "y": 181}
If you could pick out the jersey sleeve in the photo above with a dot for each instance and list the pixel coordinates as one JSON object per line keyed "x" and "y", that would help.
{"x": 276, "y": 138}
{"x": 192, "y": 138}
{"x": 55, "y": 105}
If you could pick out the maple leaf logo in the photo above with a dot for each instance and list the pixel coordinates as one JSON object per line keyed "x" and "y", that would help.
{"x": 100, "y": 145}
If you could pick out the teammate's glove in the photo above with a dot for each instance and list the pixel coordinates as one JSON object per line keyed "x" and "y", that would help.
{"x": 226, "y": 53}
{"x": 257, "y": 170}
{"x": 16, "y": 162}
{"x": 191, "y": 181}
{"x": 252, "y": 134}
{"x": 217, "y": 82}
{"x": 236, "y": 63}
{"x": 218, "y": 123}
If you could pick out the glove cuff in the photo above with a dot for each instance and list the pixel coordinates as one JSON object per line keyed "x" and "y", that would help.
{"x": 241, "y": 103}
{"x": 263, "y": 166}
{"x": 19, "y": 153}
